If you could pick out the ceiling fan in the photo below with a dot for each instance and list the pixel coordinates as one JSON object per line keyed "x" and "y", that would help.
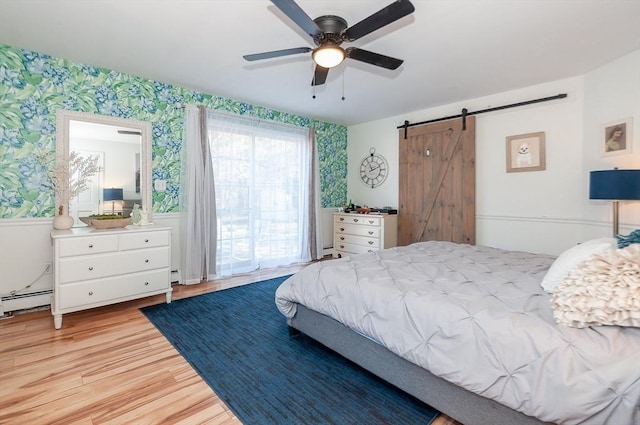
{"x": 329, "y": 32}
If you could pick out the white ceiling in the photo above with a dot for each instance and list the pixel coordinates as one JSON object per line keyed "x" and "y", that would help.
{"x": 453, "y": 49}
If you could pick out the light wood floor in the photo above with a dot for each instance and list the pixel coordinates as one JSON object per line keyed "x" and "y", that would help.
{"x": 109, "y": 366}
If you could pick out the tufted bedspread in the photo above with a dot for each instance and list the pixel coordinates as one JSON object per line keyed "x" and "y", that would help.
{"x": 477, "y": 317}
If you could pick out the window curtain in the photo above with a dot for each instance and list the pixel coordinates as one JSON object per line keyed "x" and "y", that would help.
{"x": 197, "y": 201}
{"x": 313, "y": 229}
{"x": 267, "y": 190}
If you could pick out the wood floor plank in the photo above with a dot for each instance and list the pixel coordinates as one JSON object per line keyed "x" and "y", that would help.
{"x": 109, "y": 366}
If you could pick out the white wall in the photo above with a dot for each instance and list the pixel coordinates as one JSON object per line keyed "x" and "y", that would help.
{"x": 612, "y": 92}
{"x": 542, "y": 211}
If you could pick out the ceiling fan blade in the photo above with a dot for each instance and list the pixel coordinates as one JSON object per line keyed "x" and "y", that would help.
{"x": 373, "y": 58}
{"x": 385, "y": 16}
{"x": 297, "y": 15}
{"x": 277, "y": 53}
{"x": 319, "y": 76}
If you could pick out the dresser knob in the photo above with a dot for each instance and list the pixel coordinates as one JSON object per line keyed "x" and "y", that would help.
{"x": 146, "y": 240}
{"x": 370, "y": 242}
{"x": 371, "y": 221}
{"x": 90, "y": 245}
{"x": 341, "y": 238}
{"x": 146, "y": 261}
{"x": 355, "y": 220}
{"x": 341, "y": 218}
{"x": 146, "y": 283}
{"x": 342, "y": 229}
{"x": 370, "y": 232}
{"x": 342, "y": 246}
{"x": 90, "y": 292}
{"x": 90, "y": 268}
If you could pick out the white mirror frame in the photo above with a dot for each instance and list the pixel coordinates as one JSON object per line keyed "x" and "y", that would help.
{"x": 63, "y": 119}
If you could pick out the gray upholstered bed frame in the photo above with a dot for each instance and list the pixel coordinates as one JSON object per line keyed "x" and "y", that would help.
{"x": 460, "y": 404}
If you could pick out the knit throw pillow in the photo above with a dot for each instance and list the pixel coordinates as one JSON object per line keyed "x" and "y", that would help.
{"x": 603, "y": 290}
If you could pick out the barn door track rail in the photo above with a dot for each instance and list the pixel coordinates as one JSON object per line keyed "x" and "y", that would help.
{"x": 465, "y": 113}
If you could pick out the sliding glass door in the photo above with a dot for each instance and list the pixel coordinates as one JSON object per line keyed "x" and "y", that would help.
{"x": 260, "y": 183}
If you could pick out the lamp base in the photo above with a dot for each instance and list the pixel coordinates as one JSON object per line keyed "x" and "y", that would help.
{"x": 616, "y": 208}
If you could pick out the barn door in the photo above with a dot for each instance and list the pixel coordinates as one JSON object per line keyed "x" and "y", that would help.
{"x": 437, "y": 183}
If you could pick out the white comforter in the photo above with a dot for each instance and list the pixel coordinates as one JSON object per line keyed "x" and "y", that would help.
{"x": 478, "y": 318}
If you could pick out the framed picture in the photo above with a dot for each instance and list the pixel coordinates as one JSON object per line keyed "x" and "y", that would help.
{"x": 525, "y": 152}
{"x": 617, "y": 137}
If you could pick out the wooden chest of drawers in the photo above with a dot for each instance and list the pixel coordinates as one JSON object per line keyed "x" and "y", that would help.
{"x": 359, "y": 233}
{"x": 94, "y": 267}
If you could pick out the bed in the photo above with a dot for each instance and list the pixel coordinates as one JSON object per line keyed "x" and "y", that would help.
{"x": 470, "y": 331}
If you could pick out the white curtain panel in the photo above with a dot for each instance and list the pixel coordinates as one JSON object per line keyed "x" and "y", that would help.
{"x": 197, "y": 201}
{"x": 313, "y": 241}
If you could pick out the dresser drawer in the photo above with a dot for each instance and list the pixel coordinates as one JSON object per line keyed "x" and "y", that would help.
{"x": 92, "y": 244}
{"x": 347, "y": 249}
{"x": 356, "y": 229}
{"x": 140, "y": 240}
{"x": 83, "y": 294}
{"x": 362, "y": 219}
{"x": 357, "y": 240}
{"x": 88, "y": 267}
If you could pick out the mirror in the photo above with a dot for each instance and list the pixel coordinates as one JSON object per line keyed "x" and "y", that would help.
{"x": 121, "y": 147}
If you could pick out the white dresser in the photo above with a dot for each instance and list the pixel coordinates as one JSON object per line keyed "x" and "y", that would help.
{"x": 92, "y": 267}
{"x": 359, "y": 233}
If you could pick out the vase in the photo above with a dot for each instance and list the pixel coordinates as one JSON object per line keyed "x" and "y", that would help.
{"x": 63, "y": 220}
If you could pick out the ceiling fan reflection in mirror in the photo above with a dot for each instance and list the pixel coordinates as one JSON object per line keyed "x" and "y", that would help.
{"x": 329, "y": 32}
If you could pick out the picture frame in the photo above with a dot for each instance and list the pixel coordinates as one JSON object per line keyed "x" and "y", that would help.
{"x": 617, "y": 137}
{"x": 526, "y": 152}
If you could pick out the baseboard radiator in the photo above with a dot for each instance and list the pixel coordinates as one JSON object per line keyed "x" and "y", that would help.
{"x": 25, "y": 301}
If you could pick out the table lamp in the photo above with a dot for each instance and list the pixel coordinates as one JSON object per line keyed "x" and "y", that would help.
{"x": 112, "y": 195}
{"x": 615, "y": 185}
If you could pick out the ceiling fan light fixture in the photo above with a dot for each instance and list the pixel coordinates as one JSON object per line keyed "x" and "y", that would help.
{"x": 328, "y": 56}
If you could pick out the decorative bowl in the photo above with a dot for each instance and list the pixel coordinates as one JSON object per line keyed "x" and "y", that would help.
{"x": 107, "y": 223}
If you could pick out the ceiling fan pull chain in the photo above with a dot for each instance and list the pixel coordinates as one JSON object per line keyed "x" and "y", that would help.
{"x": 344, "y": 71}
{"x": 313, "y": 82}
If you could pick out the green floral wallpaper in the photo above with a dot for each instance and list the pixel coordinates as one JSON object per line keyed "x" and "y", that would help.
{"x": 34, "y": 86}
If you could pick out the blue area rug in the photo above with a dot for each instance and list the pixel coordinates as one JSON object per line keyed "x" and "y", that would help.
{"x": 239, "y": 343}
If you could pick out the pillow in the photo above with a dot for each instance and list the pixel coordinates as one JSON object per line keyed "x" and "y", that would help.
{"x": 625, "y": 241}
{"x": 571, "y": 258}
{"x": 604, "y": 290}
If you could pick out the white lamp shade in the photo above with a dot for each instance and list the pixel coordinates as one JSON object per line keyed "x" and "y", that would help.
{"x": 328, "y": 56}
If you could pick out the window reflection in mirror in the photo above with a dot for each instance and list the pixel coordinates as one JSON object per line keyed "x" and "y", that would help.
{"x": 118, "y": 152}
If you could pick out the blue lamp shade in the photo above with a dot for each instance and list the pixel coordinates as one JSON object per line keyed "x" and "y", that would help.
{"x": 112, "y": 194}
{"x": 618, "y": 185}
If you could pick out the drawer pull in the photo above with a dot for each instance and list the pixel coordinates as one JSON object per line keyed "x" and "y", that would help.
{"x": 90, "y": 245}
{"x": 371, "y": 221}
{"x": 90, "y": 268}
{"x": 341, "y": 218}
{"x": 146, "y": 241}
{"x": 342, "y": 229}
{"x": 342, "y": 246}
{"x": 370, "y": 232}
{"x": 370, "y": 242}
{"x": 146, "y": 283}
{"x": 341, "y": 238}
{"x": 146, "y": 261}
{"x": 355, "y": 220}
{"x": 90, "y": 292}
